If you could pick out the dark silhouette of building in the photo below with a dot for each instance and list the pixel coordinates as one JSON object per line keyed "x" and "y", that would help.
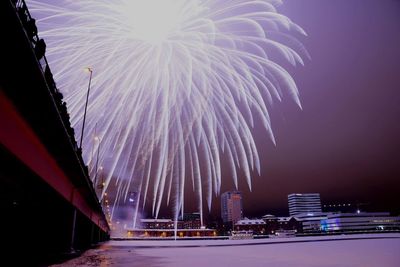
{"x": 257, "y": 226}
{"x": 273, "y": 224}
{"x": 191, "y": 221}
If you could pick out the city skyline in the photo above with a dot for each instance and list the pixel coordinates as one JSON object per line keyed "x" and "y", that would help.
{"x": 344, "y": 142}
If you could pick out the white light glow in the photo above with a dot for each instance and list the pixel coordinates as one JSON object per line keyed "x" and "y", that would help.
{"x": 179, "y": 87}
{"x": 154, "y": 20}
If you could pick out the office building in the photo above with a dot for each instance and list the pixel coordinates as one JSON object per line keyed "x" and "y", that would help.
{"x": 231, "y": 206}
{"x": 311, "y": 222}
{"x": 304, "y": 204}
{"x": 360, "y": 222}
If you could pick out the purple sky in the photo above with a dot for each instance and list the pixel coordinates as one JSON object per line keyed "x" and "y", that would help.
{"x": 345, "y": 142}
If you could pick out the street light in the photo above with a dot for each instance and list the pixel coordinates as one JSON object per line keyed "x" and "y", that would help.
{"x": 87, "y": 99}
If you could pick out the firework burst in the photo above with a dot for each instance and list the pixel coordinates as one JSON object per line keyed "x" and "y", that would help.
{"x": 177, "y": 85}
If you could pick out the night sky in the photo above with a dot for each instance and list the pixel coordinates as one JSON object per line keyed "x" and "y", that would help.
{"x": 345, "y": 143}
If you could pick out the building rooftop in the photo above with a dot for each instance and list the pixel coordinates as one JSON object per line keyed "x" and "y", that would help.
{"x": 268, "y": 216}
{"x": 359, "y": 214}
{"x": 286, "y": 219}
{"x": 247, "y": 221}
{"x": 155, "y": 220}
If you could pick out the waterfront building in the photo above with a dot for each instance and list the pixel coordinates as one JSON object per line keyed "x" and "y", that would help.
{"x": 360, "y": 222}
{"x": 190, "y": 221}
{"x": 274, "y": 224}
{"x": 256, "y": 226}
{"x": 309, "y": 203}
{"x": 157, "y": 223}
{"x": 289, "y": 223}
{"x": 231, "y": 207}
{"x": 169, "y": 233}
{"x": 160, "y": 228}
{"x": 311, "y": 222}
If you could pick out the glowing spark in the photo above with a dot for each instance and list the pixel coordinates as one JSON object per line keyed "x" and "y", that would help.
{"x": 178, "y": 85}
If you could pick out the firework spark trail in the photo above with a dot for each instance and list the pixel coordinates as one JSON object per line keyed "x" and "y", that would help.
{"x": 177, "y": 84}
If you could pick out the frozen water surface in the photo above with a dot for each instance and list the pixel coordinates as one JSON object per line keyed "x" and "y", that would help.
{"x": 339, "y": 251}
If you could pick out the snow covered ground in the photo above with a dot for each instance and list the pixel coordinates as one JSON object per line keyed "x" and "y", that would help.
{"x": 339, "y": 251}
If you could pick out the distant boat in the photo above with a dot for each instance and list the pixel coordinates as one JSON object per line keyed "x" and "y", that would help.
{"x": 283, "y": 233}
{"x": 241, "y": 235}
